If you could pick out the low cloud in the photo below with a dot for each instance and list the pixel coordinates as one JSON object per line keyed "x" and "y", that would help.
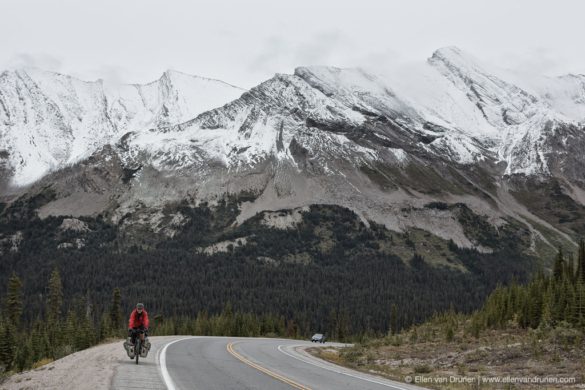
{"x": 35, "y": 60}
{"x": 537, "y": 61}
{"x": 329, "y": 48}
{"x": 110, "y": 74}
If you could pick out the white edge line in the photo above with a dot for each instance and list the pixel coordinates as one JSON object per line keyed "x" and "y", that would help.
{"x": 163, "y": 364}
{"x": 338, "y": 371}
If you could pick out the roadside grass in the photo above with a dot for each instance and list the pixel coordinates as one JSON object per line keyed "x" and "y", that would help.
{"x": 42, "y": 362}
{"x": 446, "y": 348}
{"x": 39, "y": 365}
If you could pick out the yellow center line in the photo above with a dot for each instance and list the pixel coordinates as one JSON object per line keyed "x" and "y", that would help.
{"x": 230, "y": 349}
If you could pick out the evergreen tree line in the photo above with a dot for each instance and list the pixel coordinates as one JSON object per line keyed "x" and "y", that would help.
{"x": 356, "y": 291}
{"x": 56, "y": 333}
{"x": 287, "y": 273}
{"x": 329, "y": 266}
{"x": 546, "y": 301}
{"x": 53, "y": 333}
{"x": 347, "y": 288}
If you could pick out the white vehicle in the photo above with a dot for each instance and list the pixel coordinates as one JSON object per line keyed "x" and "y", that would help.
{"x": 318, "y": 338}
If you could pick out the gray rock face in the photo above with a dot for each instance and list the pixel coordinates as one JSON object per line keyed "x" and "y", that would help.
{"x": 49, "y": 121}
{"x": 74, "y": 224}
{"x": 345, "y": 137}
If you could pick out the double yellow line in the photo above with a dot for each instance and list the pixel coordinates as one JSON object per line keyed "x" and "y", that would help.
{"x": 230, "y": 349}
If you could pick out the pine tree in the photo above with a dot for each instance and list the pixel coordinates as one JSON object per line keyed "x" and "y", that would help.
{"x": 227, "y": 320}
{"x": 280, "y": 326}
{"x": 55, "y": 298}
{"x": 7, "y": 346}
{"x": 562, "y": 293}
{"x": 570, "y": 270}
{"x": 23, "y": 358}
{"x": 202, "y": 326}
{"x": 581, "y": 262}
{"x": 39, "y": 341}
{"x": 266, "y": 327}
{"x": 578, "y": 306}
{"x": 332, "y": 324}
{"x": 13, "y": 303}
{"x": 106, "y": 327}
{"x": 85, "y": 337}
{"x": 116, "y": 311}
{"x": 393, "y": 319}
{"x": 567, "y": 314}
{"x": 55, "y": 301}
{"x": 70, "y": 328}
{"x": 535, "y": 304}
{"x": 343, "y": 325}
{"x": 476, "y": 325}
{"x": 254, "y": 325}
{"x": 548, "y": 306}
{"x": 559, "y": 265}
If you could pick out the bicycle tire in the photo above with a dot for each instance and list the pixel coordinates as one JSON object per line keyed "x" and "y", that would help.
{"x": 137, "y": 348}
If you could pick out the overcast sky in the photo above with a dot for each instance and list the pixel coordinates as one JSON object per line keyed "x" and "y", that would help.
{"x": 246, "y": 41}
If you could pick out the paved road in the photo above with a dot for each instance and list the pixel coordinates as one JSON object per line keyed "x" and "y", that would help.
{"x": 209, "y": 363}
{"x": 146, "y": 375}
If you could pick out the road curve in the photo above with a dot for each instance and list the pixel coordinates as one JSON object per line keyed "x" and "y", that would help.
{"x": 209, "y": 363}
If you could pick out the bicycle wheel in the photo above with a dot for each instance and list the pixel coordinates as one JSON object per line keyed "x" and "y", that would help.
{"x": 137, "y": 348}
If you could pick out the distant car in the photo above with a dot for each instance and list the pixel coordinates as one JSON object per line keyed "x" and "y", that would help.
{"x": 318, "y": 338}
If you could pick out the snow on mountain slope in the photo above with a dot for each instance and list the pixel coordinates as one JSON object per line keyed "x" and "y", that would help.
{"x": 383, "y": 145}
{"x": 421, "y": 100}
{"x": 48, "y": 120}
{"x": 459, "y": 110}
{"x": 261, "y": 124}
{"x": 564, "y": 94}
{"x": 501, "y": 103}
{"x": 453, "y": 107}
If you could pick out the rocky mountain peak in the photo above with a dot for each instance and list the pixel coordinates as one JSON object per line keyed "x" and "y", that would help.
{"x": 383, "y": 145}
{"x": 49, "y": 120}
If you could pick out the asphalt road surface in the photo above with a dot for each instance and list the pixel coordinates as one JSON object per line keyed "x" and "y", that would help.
{"x": 209, "y": 363}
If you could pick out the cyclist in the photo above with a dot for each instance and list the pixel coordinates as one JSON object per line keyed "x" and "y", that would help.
{"x": 138, "y": 322}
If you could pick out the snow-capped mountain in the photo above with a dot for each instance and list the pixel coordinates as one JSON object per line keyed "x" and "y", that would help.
{"x": 458, "y": 112}
{"x": 458, "y": 109}
{"x": 49, "y": 120}
{"x": 450, "y": 130}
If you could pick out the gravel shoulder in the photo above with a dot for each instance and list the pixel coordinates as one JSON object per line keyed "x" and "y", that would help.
{"x": 92, "y": 368}
{"x": 104, "y": 366}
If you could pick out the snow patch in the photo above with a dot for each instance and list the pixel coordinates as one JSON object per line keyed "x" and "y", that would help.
{"x": 284, "y": 220}
{"x": 223, "y": 246}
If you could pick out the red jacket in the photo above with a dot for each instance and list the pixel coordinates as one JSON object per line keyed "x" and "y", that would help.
{"x": 138, "y": 320}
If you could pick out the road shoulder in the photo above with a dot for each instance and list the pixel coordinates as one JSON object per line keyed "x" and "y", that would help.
{"x": 90, "y": 369}
{"x": 102, "y": 367}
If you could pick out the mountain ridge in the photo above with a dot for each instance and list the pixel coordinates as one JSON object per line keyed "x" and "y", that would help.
{"x": 84, "y": 115}
{"x": 347, "y": 137}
